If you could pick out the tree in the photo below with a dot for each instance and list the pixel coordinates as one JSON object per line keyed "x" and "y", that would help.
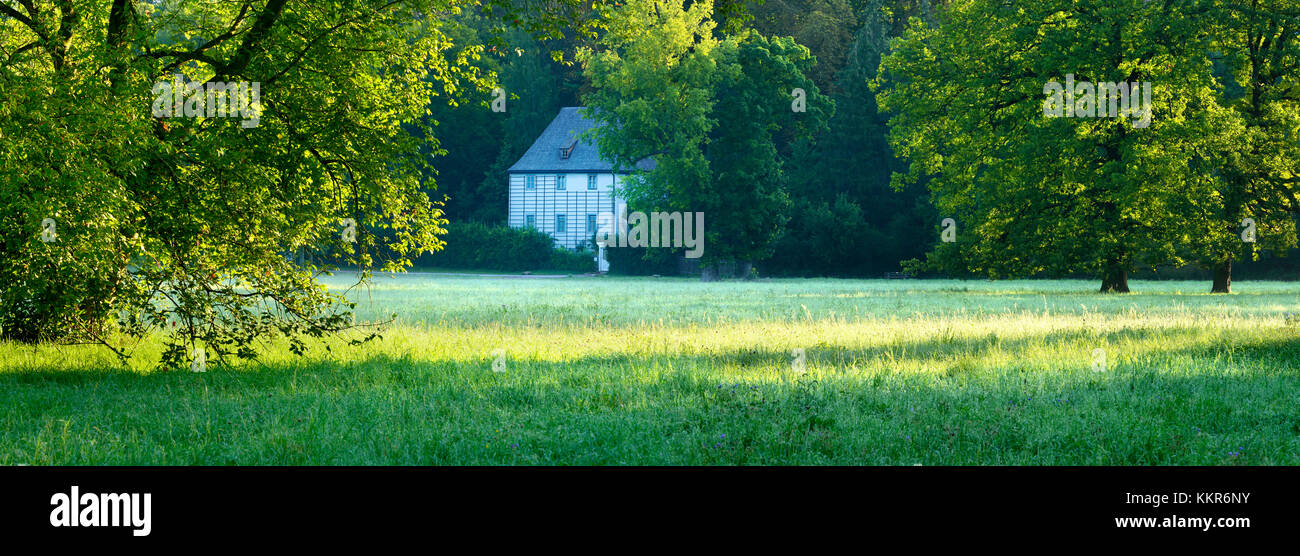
{"x": 537, "y": 90}
{"x": 206, "y": 227}
{"x": 847, "y": 220}
{"x": 709, "y": 112}
{"x": 1031, "y": 192}
{"x": 467, "y": 132}
{"x": 479, "y": 145}
{"x": 1256, "y": 165}
{"x": 824, "y": 26}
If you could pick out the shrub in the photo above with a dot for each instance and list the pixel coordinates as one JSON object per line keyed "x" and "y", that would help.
{"x": 573, "y": 261}
{"x": 480, "y": 246}
{"x": 640, "y": 261}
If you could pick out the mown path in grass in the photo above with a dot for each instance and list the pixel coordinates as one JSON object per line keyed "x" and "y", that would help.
{"x": 673, "y": 371}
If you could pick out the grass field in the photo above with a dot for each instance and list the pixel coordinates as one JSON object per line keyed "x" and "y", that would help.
{"x": 674, "y": 371}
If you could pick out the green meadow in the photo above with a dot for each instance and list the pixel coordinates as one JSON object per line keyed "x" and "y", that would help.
{"x": 648, "y": 371}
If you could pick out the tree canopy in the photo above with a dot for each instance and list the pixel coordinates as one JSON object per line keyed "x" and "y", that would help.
{"x": 1096, "y": 191}
{"x": 118, "y": 221}
{"x": 714, "y": 113}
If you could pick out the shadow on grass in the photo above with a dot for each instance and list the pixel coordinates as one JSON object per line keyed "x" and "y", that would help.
{"x": 718, "y": 407}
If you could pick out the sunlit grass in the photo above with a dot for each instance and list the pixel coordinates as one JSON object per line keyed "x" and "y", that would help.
{"x": 673, "y": 371}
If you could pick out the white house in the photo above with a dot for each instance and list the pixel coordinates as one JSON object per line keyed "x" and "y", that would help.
{"x": 561, "y": 184}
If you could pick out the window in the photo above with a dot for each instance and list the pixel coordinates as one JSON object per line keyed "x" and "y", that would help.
{"x": 530, "y": 221}
{"x": 591, "y": 223}
{"x": 530, "y": 182}
{"x": 591, "y": 182}
{"x": 559, "y": 183}
{"x": 560, "y": 223}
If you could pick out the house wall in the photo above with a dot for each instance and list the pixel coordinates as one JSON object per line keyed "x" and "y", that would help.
{"x": 575, "y": 202}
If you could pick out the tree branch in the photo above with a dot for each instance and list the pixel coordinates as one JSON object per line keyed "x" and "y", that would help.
{"x": 252, "y": 41}
{"x": 6, "y": 10}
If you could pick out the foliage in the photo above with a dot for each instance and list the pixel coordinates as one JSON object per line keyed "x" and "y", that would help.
{"x": 1035, "y": 194}
{"x": 846, "y": 219}
{"x": 200, "y": 227}
{"x": 478, "y": 144}
{"x": 1256, "y": 158}
{"x": 640, "y": 261}
{"x": 714, "y": 115}
{"x": 825, "y": 27}
{"x": 829, "y": 239}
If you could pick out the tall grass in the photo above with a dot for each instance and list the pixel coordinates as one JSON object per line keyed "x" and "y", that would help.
{"x": 673, "y": 371}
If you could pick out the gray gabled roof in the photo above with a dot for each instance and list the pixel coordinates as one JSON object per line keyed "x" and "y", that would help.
{"x": 563, "y": 131}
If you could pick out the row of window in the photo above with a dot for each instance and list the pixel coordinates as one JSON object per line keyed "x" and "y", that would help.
{"x": 561, "y": 222}
{"x": 530, "y": 182}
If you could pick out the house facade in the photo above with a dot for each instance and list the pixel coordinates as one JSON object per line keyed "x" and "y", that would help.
{"x": 561, "y": 185}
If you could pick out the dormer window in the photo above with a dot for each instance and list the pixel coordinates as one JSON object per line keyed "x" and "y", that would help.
{"x": 565, "y": 152}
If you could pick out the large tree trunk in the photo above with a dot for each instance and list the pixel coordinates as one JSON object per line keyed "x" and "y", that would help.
{"x": 1114, "y": 280}
{"x": 1222, "y": 277}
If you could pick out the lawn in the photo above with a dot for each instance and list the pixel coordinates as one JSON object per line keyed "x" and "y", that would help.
{"x": 674, "y": 371}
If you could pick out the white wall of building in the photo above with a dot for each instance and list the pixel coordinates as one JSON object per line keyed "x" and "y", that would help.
{"x": 575, "y": 202}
